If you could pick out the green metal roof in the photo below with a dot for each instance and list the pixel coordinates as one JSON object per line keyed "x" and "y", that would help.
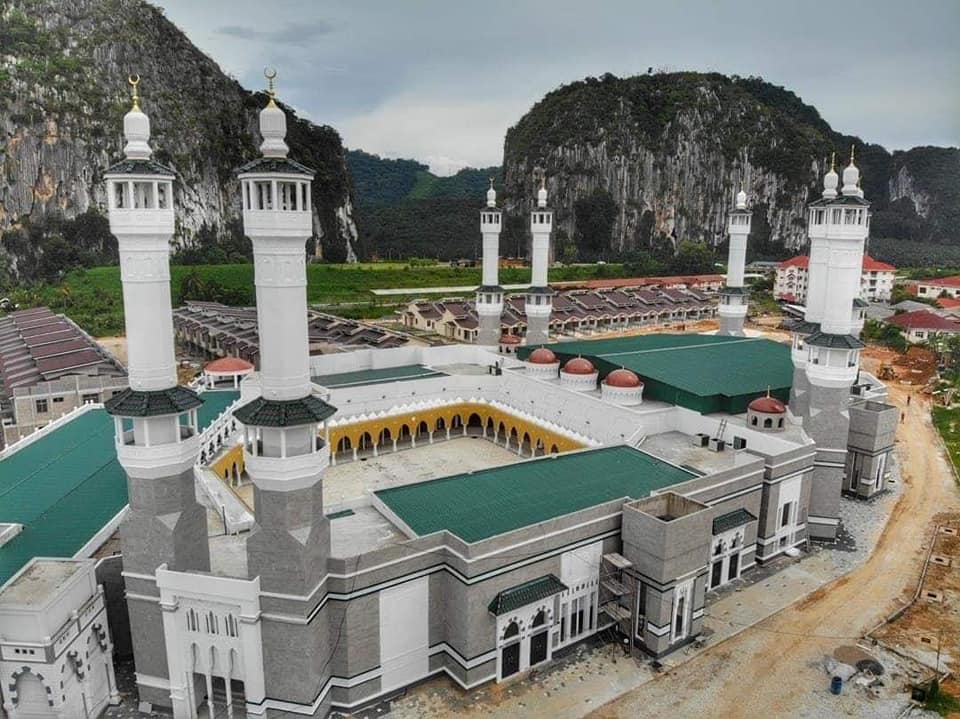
{"x": 703, "y": 365}
{"x": 65, "y": 486}
{"x": 832, "y": 341}
{"x": 479, "y": 505}
{"x": 526, "y": 593}
{"x": 377, "y": 376}
{"x": 730, "y": 520}
{"x": 284, "y": 413}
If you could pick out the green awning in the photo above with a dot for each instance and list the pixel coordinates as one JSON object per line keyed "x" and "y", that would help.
{"x": 732, "y": 520}
{"x": 526, "y": 593}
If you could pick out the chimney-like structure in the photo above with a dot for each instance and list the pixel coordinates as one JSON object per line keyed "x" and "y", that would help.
{"x": 733, "y": 298}
{"x": 539, "y": 302}
{"x": 490, "y": 293}
{"x": 155, "y": 420}
{"x": 839, "y": 224}
{"x": 283, "y": 452}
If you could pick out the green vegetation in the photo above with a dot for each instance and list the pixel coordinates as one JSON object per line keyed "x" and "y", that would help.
{"x": 47, "y": 249}
{"x": 594, "y": 216}
{"x": 940, "y": 701}
{"x": 93, "y": 297}
{"x": 884, "y": 334}
{"x": 403, "y": 209}
{"x": 933, "y": 258}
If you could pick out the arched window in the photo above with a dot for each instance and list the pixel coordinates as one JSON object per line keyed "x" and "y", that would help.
{"x": 753, "y": 421}
{"x": 540, "y": 619}
{"x": 780, "y": 422}
{"x": 513, "y": 630}
{"x": 768, "y": 423}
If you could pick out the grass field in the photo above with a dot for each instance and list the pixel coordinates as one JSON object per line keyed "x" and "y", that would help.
{"x": 93, "y": 297}
{"x": 947, "y": 422}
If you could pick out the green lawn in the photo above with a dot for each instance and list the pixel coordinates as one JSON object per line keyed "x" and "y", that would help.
{"x": 947, "y": 422}
{"x": 93, "y": 297}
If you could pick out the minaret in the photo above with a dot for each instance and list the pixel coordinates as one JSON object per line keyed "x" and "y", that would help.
{"x": 733, "y": 299}
{"x": 539, "y": 295}
{"x": 490, "y": 293}
{"x": 816, "y": 277}
{"x": 833, "y": 352}
{"x": 156, "y": 420}
{"x": 284, "y": 456}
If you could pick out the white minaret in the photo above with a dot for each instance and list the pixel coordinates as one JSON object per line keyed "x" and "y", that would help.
{"x": 284, "y": 456}
{"x": 816, "y": 296}
{"x": 490, "y": 293}
{"x": 733, "y": 299}
{"x": 539, "y": 295}
{"x": 156, "y": 421}
{"x": 840, "y": 224}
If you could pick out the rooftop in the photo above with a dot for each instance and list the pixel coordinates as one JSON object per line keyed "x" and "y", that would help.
{"x": 479, "y": 505}
{"x": 376, "y": 376}
{"x": 39, "y": 581}
{"x": 924, "y": 320}
{"x": 707, "y": 373}
{"x": 64, "y": 487}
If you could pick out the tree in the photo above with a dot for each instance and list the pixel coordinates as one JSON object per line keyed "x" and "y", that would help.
{"x": 594, "y": 216}
{"x": 692, "y": 258}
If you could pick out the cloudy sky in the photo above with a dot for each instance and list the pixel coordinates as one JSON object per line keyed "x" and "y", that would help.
{"x": 442, "y": 80}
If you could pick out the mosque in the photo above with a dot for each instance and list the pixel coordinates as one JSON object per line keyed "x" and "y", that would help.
{"x": 599, "y": 487}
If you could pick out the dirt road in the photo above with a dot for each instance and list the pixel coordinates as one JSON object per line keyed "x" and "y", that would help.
{"x": 772, "y": 669}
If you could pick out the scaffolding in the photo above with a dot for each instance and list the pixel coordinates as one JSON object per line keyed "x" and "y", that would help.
{"x": 617, "y": 594}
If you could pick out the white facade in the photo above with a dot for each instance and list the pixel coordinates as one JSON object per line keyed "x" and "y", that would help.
{"x": 56, "y": 656}
{"x": 876, "y": 281}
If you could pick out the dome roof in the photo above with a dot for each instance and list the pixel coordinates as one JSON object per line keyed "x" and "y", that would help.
{"x": 509, "y": 340}
{"x": 228, "y": 364}
{"x": 579, "y": 365}
{"x": 542, "y": 355}
{"x": 767, "y": 405}
{"x": 623, "y": 378}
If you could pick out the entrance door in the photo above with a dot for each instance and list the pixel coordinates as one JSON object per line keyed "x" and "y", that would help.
{"x": 716, "y": 574}
{"x": 538, "y": 648}
{"x": 734, "y": 565}
{"x": 510, "y": 659}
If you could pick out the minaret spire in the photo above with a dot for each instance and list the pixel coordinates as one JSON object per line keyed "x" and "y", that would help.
{"x": 155, "y": 420}
{"x": 283, "y": 452}
{"x": 733, "y": 298}
{"x": 539, "y": 301}
{"x": 490, "y": 293}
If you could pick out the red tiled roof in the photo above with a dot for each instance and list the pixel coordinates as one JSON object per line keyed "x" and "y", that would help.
{"x": 948, "y": 303}
{"x": 228, "y": 364}
{"x": 953, "y": 281}
{"x": 924, "y": 320}
{"x": 869, "y": 264}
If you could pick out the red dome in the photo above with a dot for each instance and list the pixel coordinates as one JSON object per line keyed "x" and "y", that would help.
{"x": 228, "y": 364}
{"x": 509, "y": 340}
{"x": 579, "y": 365}
{"x": 542, "y": 355}
{"x": 767, "y": 405}
{"x": 623, "y": 378}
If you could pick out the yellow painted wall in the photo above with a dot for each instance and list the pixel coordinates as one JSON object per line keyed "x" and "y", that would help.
{"x": 224, "y": 464}
{"x": 368, "y": 432}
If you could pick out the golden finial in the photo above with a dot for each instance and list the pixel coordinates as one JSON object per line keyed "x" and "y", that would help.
{"x": 768, "y": 390}
{"x": 833, "y": 162}
{"x": 134, "y": 81}
{"x": 271, "y": 75}
{"x": 851, "y": 153}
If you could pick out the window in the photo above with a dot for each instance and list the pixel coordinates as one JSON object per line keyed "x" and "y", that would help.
{"x": 835, "y": 216}
{"x": 57, "y": 400}
{"x": 143, "y": 195}
{"x": 41, "y": 406}
{"x": 513, "y": 630}
{"x": 91, "y": 398}
{"x": 785, "y": 514}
